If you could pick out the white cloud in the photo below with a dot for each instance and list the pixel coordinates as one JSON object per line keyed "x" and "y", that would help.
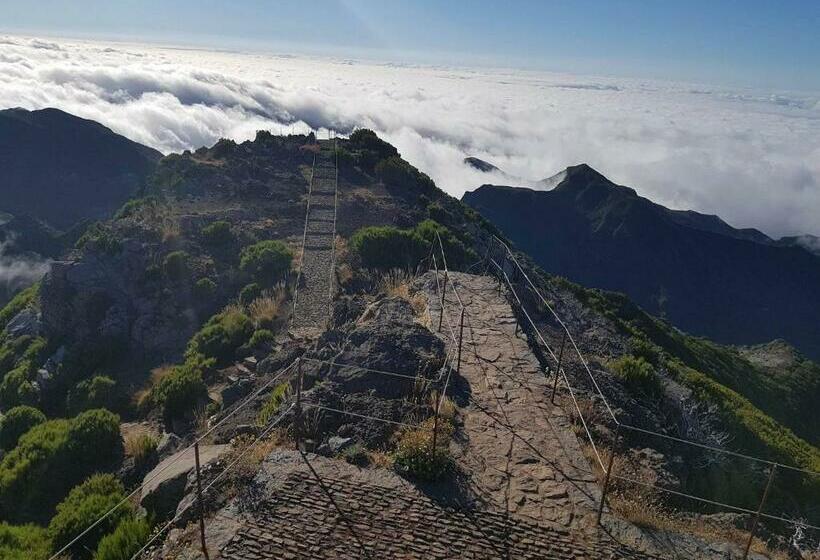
{"x": 18, "y": 271}
{"x": 752, "y": 157}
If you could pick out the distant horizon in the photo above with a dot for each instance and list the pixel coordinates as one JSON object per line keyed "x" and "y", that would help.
{"x": 751, "y": 156}
{"x": 739, "y": 44}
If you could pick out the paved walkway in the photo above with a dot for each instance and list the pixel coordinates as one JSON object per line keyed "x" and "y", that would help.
{"x": 519, "y": 451}
{"x": 316, "y": 275}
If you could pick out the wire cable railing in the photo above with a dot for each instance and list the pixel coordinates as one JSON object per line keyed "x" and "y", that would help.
{"x": 499, "y": 269}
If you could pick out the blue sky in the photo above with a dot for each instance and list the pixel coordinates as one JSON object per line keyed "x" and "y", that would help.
{"x": 771, "y": 44}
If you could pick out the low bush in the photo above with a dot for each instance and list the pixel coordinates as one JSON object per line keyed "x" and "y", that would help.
{"x": 134, "y": 206}
{"x": 17, "y": 422}
{"x": 100, "y": 238}
{"x": 356, "y": 454}
{"x": 204, "y": 289}
{"x": 22, "y": 357}
{"x": 54, "y": 456}
{"x": 268, "y": 262}
{"x": 175, "y": 265}
{"x": 19, "y": 302}
{"x": 221, "y": 336}
{"x": 24, "y": 542}
{"x": 126, "y": 540}
{"x": 415, "y": 457}
{"x": 250, "y": 293}
{"x": 97, "y": 392}
{"x": 85, "y": 504}
{"x": 637, "y": 374}
{"x": 395, "y": 172}
{"x": 387, "y": 247}
{"x": 218, "y": 234}
{"x": 183, "y": 390}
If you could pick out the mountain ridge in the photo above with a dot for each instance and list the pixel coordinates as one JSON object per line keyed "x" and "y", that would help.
{"x": 735, "y": 286}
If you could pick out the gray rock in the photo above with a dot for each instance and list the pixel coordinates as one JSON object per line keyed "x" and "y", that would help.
{"x": 27, "y": 322}
{"x": 338, "y": 444}
{"x": 168, "y": 444}
{"x": 235, "y": 391}
{"x": 164, "y": 487}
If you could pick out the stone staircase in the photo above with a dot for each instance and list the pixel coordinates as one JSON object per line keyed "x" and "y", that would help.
{"x": 315, "y": 287}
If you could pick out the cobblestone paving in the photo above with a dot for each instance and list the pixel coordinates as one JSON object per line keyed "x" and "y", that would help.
{"x": 388, "y": 519}
{"x": 519, "y": 450}
{"x": 312, "y": 307}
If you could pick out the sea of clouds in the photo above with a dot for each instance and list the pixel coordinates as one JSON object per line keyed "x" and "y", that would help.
{"x": 752, "y": 157}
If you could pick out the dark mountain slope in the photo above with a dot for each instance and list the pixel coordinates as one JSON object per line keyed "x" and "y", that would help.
{"x": 61, "y": 169}
{"x": 706, "y": 277}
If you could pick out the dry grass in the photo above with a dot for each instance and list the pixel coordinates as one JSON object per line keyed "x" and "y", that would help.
{"x": 397, "y": 283}
{"x": 645, "y": 508}
{"x": 170, "y": 230}
{"x": 380, "y": 459}
{"x": 267, "y": 308}
{"x": 254, "y": 453}
{"x": 141, "y": 447}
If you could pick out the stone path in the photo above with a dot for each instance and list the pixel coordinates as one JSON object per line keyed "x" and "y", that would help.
{"x": 316, "y": 274}
{"x": 520, "y": 453}
{"x": 379, "y": 516}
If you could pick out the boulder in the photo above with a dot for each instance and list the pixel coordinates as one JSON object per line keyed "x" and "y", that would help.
{"x": 27, "y": 322}
{"x": 164, "y": 487}
{"x": 235, "y": 391}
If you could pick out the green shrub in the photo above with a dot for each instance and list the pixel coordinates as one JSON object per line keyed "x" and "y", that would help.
{"x": 204, "y": 289}
{"x": 133, "y": 206}
{"x": 250, "y": 293}
{"x": 415, "y": 457}
{"x": 267, "y": 262}
{"x": 19, "y": 302}
{"x": 97, "y": 392}
{"x": 85, "y": 504}
{"x": 356, "y": 454}
{"x": 128, "y": 538}
{"x": 23, "y": 542}
{"x": 260, "y": 337}
{"x": 369, "y": 148}
{"x": 22, "y": 355}
{"x": 54, "y": 456}
{"x": 218, "y": 234}
{"x": 175, "y": 265}
{"x": 100, "y": 238}
{"x": 183, "y": 390}
{"x": 221, "y": 336}
{"x": 637, "y": 374}
{"x": 642, "y": 348}
{"x": 271, "y": 407}
{"x": 388, "y": 248}
{"x": 396, "y": 172}
{"x": 17, "y": 422}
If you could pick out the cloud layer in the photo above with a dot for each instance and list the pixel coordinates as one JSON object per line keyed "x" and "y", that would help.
{"x": 18, "y": 271}
{"x": 752, "y": 157}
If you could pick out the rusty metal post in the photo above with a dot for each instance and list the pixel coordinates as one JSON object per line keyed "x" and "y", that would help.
{"x": 460, "y": 339}
{"x": 558, "y": 369}
{"x": 759, "y": 511}
{"x": 608, "y": 474}
{"x": 200, "y": 503}
{"x": 443, "y": 292}
{"x": 435, "y": 428}
{"x": 297, "y": 425}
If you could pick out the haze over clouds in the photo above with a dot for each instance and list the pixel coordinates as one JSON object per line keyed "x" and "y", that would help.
{"x": 752, "y": 157}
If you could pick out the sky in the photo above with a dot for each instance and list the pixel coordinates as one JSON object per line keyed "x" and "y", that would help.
{"x": 757, "y": 43}
{"x": 445, "y": 83}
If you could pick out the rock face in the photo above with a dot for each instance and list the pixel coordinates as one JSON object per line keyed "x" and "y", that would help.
{"x": 386, "y": 339}
{"x": 165, "y": 485}
{"x": 27, "y": 322}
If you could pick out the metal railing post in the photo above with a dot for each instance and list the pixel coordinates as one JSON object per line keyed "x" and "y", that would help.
{"x": 558, "y": 369}
{"x": 297, "y": 432}
{"x": 460, "y": 339}
{"x": 759, "y": 511}
{"x": 607, "y": 476}
{"x": 443, "y": 292}
{"x": 200, "y": 503}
